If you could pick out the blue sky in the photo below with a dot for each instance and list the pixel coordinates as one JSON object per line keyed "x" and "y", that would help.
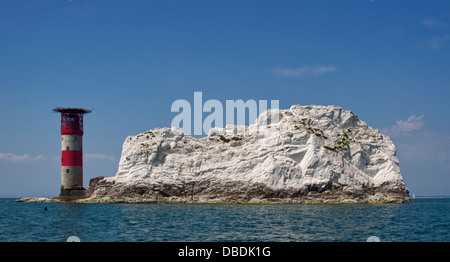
{"x": 387, "y": 61}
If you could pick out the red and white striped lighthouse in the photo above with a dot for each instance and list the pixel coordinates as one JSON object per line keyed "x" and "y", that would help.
{"x": 72, "y": 152}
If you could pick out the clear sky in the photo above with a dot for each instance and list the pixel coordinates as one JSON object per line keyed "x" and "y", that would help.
{"x": 387, "y": 61}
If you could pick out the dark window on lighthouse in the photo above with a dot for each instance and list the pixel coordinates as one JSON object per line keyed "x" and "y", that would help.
{"x": 67, "y": 171}
{"x": 67, "y": 148}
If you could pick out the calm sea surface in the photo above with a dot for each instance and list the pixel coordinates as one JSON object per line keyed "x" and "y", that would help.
{"x": 422, "y": 220}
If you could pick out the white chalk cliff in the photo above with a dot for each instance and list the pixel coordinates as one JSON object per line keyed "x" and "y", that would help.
{"x": 311, "y": 154}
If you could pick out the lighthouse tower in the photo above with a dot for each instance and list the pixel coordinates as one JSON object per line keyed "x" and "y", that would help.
{"x": 72, "y": 152}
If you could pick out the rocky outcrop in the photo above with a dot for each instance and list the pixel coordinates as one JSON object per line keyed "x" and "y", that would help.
{"x": 310, "y": 154}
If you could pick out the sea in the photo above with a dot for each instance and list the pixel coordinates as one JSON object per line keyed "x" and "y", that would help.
{"x": 423, "y": 220}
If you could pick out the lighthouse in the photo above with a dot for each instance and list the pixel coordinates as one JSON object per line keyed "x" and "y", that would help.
{"x": 72, "y": 152}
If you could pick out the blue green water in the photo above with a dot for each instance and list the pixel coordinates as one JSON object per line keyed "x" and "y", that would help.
{"x": 422, "y": 220}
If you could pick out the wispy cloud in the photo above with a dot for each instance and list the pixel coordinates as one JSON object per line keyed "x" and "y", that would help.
{"x": 414, "y": 143}
{"x": 428, "y": 147}
{"x": 404, "y": 127}
{"x": 438, "y": 25}
{"x": 90, "y": 156}
{"x": 25, "y": 158}
{"x": 438, "y": 42}
{"x": 432, "y": 22}
{"x": 10, "y": 157}
{"x": 305, "y": 71}
{"x": 81, "y": 9}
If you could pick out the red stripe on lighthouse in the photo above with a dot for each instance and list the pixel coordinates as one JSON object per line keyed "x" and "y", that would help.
{"x": 71, "y": 158}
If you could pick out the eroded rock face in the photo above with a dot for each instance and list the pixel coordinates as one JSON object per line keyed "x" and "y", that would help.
{"x": 309, "y": 154}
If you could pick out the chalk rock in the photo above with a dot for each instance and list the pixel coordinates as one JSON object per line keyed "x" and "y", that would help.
{"x": 34, "y": 199}
{"x": 306, "y": 154}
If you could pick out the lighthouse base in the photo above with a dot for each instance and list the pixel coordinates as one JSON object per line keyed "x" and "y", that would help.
{"x": 71, "y": 193}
